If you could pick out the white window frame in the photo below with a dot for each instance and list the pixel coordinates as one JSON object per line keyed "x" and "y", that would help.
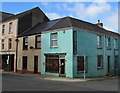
{"x": 3, "y": 29}
{"x": 54, "y": 39}
{"x": 2, "y": 43}
{"x": 99, "y": 41}
{"x": 108, "y": 42}
{"x": 10, "y": 27}
{"x": 115, "y": 43}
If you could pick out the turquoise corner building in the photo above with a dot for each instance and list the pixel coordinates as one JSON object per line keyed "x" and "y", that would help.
{"x": 74, "y": 48}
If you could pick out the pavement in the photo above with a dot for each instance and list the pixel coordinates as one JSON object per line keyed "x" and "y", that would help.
{"x": 64, "y": 79}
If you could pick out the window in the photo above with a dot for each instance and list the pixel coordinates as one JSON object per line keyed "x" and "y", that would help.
{"x": 10, "y": 27}
{"x": 116, "y": 61}
{"x": 38, "y": 42}
{"x": 80, "y": 63}
{"x": 99, "y": 39}
{"x": 3, "y": 29}
{"x": 100, "y": 61}
{"x": 115, "y": 43}
{"x": 108, "y": 42}
{"x": 10, "y": 43}
{"x": 25, "y": 43}
{"x": 52, "y": 63}
{"x": 74, "y": 42}
{"x": 24, "y": 62}
{"x": 54, "y": 40}
{"x": 2, "y": 43}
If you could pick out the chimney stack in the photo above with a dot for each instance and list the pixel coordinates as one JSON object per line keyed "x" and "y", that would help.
{"x": 99, "y": 24}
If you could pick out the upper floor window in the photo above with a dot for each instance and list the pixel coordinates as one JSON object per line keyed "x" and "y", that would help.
{"x": 10, "y": 27}
{"x": 38, "y": 42}
{"x": 74, "y": 42}
{"x": 108, "y": 42}
{"x": 25, "y": 43}
{"x": 99, "y": 41}
{"x": 54, "y": 40}
{"x": 115, "y": 43}
{"x": 99, "y": 61}
{"x": 2, "y": 43}
{"x": 3, "y": 29}
{"x": 10, "y": 43}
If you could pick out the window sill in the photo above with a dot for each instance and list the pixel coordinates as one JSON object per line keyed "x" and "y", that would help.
{"x": 99, "y": 68}
{"x": 54, "y": 47}
{"x": 99, "y": 47}
{"x": 10, "y": 33}
{"x": 108, "y": 48}
{"x": 81, "y": 72}
{"x": 25, "y": 49}
{"x": 115, "y": 48}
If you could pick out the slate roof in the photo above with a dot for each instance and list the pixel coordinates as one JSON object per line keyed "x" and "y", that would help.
{"x": 4, "y": 15}
{"x": 65, "y": 23}
{"x": 23, "y": 13}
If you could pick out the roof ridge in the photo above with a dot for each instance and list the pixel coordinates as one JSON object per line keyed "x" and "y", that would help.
{"x": 27, "y": 11}
{"x": 6, "y": 13}
{"x": 70, "y": 22}
{"x": 55, "y": 23}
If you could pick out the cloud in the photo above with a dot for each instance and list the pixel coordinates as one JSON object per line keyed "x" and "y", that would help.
{"x": 53, "y": 15}
{"x": 44, "y": 3}
{"x": 111, "y": 22}
{"x": 92, "y": 11}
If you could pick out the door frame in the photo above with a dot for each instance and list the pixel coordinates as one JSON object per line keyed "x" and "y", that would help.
{"x": 35, "y": 71}
{"x": 108, "y": 63}
{"x": 60, "y": 58}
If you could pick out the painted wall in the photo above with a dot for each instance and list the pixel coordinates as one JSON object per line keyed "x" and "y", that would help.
{"x": 8, "y": 35}
{"x": 87, "y": 45}
{"x": 30, "y": 53}
{"x": 65, "y": 45}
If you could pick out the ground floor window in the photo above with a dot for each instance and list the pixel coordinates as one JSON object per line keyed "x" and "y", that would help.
{"x": 116, "y": 61}
{"x": 99, "y": 61}
{"x": 24, "y": 62}
{"x": 52, "y": 63}
{"x": 80, "y": 63}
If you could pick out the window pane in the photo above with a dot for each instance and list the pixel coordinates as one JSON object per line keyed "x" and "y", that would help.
{"x": 80, "y": 61}
{"x": 52, "y": 63}
{"x": 38, "y": 38}
{"x": 10, "y": 27}
{"x": 100, "y": 61}
{"x": 54, "y": 39}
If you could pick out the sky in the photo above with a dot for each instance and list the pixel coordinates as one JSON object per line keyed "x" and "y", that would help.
{"x": 106, "y": 12}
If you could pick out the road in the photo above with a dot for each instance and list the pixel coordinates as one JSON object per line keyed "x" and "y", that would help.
{"x": 13, "y": 82}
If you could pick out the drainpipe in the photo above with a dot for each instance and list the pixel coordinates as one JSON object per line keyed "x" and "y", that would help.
{"x": 16, "y": 53}
{"x": 105, "y": 52}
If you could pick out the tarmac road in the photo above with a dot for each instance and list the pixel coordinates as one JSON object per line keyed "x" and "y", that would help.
{"x": 15, "y": 82}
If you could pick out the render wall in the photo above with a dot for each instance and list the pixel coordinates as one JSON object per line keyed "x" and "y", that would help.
{"x": 65, "y": 45}
{"x": 30, "y": 53}
{"x": 87, "y": 45}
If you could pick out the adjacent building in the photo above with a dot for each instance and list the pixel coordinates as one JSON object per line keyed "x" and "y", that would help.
{"x": 74, "y": 48}
{"x": 13, "y": 26}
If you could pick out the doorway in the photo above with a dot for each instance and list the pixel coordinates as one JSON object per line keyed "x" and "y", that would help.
{"x": 35, "y": 64}
{"x": 108, "y": 64}
{"x": 8, "y": 62}
{"x": 62, "y": 67}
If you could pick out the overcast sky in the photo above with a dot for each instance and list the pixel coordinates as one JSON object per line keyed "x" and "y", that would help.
{"x": 91, "y": 12}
